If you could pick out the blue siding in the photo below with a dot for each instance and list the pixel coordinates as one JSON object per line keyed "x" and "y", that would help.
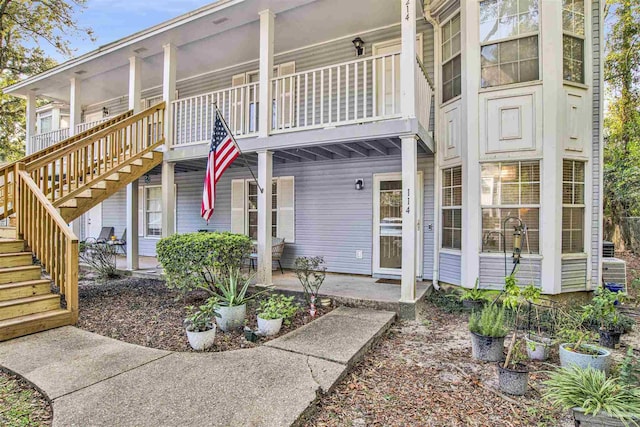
{"x": 450, "y": 268}
{"x": 492, "y": 271}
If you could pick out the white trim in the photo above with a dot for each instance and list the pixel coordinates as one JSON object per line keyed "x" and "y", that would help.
{"x": 386, "y": 43}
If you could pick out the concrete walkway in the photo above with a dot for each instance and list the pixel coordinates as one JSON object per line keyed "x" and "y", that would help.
{"x": 97, "y": 381}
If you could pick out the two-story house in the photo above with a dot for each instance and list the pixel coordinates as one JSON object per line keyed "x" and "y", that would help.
{"x": 394, "y": 138}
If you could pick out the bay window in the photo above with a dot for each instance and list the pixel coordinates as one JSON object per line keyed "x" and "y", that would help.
{"x": 452, "y": 208}
{"x": 451, "y": 59}
{"x": 573, "y": 40}
{"x": 510, "y": 190}
{"x": 509, "y": 41}
{"x": 572, "y": 207}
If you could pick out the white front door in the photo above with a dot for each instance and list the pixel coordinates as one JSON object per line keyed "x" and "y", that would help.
{"x": 387, "y": 224}
{"x": 93, "y": 221}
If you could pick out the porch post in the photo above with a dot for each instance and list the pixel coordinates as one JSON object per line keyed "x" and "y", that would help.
{"x": 408, "y": 58}
{"x": 135, "y": 94}
{"x": 75, "y": 108}
{"x": 409, "y": 217}
{"x": 265, "y": 174}
{"x": 265, "y": 109}
{"x": 31, "y": 121}
{"x": 168, "y": 169}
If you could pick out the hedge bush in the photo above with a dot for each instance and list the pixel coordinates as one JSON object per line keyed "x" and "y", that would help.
{"x": 192, "y": 260}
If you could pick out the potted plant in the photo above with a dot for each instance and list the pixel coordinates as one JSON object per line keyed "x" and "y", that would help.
{"x": 231, "y": 290}
{"x": 201, "y": 331}
{"x": 513, "y": 373}
{"x": 488, "y": 330}
{"x": 594, "y": 399}
{"x": 273, "y": 311}
{"x": 311, "y": 272}
{"x": 603, "y": 311}
{"x": 473, "y": 299}
{"x": 575, "y": 350}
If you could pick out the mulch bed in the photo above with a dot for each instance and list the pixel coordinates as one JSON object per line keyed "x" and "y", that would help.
{"x": 422, "y": 374}
{"x": 145, "y": 312}
{"x": 21, "y": 404}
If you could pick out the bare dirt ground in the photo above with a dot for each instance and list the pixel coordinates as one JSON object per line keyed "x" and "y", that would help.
{"x": 422, "y": 374}
{"x": 145, "y": 312}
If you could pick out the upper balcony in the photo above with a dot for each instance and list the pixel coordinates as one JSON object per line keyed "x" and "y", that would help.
{"x": 40, "y": 141}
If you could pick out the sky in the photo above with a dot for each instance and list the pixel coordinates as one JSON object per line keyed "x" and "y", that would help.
{"x": 114, "y": 19}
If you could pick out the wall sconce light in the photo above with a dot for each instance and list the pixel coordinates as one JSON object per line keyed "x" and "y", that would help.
{"x": 359, "y": 184}
{"x": 147, "y": 179}
{"x": 105, "y": 111}
{"x": 359, "y": 45}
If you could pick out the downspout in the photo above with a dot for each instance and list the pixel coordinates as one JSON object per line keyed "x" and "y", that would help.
{"x": 436, "y": 166}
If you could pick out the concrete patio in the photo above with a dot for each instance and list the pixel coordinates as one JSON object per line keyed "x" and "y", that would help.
{"x": 345, "y": 289}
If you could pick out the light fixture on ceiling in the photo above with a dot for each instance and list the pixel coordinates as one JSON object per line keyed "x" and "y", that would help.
{"x": 80, "y": 72}
{"x": 35, "y": 89}
{"x": 105, "y": 111}
{"x": 140, "y": 50}
{"x": 220, "y": 21}
{"x": 359, "y": 45}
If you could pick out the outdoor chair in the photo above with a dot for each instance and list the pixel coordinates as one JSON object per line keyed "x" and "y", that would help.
{"x": 277, "y": 248}
{"x": 120, "y": 243}
{"x": 105, "y": 235}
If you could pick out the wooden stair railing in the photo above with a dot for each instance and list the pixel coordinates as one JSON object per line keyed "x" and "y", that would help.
{"x": 49, "y": 237}
{"x": 7, "y": 177}
{"x": 75, "y": 170}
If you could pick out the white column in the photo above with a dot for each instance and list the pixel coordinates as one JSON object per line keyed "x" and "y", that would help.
{"x": 31, "y": 121}
{"x": 75, "y": 107}
{"x": 267, "y": 19}
{"x": 168, "y": 169}
{"x": 55, "y": 118}
{"x": 265, "y": 174}
{"x": 551, "y": 165}
{"x": 408, "y": 58}
{"x": 135, "y": 97}
{"x": 409, "y": 217}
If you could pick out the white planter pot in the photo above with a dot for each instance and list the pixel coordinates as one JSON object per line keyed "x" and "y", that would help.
{"x": 538, "y": 347}
{"x": 231, "y": 318}
{"x": 269, "y": 327}
{"x": 601, "y": 361}
{"x": 202, "y": 340}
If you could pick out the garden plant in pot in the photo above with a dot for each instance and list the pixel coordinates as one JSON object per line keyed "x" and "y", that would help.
{"x": 576, "y": 350}
{"x": 233, "y": 296}
{"x": 594, "y": 399}
{"x": 488, "y": 330}
{"x": 273, "y": 311}
{"x": 475, "y": 298}
{"x": 542, "y": 323}
{"x": 603, "y": 312}
{"x": 201, "y": 330}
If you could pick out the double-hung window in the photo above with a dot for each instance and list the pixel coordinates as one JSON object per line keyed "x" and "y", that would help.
{"x": 452, "y": 208}
{"x": 573, "y": 40}
{"x": 153, "y": 211}
{"x": 509, "y": 41}
{"x": 451, "y": 59}
{"x": 510, "y": 190}
{"x": 572, "y": 207}
{"x": 252, "y": 209}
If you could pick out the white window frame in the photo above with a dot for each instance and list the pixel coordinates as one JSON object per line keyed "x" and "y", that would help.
{"x": 507, "y": 39}
{"x": 573, "y": 204}
{"x": 518, "y": 206}
{"x": 142, "y": 211}
{"x": 41, "y": 117}
{"x": 450, "y": 208}
{"x": 575, "y": 35}
{"x": 453, "y": 56}
{"x": 247, "y": 210}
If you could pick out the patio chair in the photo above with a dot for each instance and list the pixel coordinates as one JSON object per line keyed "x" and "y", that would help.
{"x": 277, "y": 248}
{"x": 105, "y": 235}
{"x": 120, "y": 243}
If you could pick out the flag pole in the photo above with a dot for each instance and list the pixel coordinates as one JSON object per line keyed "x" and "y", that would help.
{"x": 233, "y": 138}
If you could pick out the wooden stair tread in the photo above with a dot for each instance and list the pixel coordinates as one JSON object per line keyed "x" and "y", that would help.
{"x": 10, "y": 254}
{"x": 32, "y": 323}
{"x": 19, "y": 268}
{"x": 25, "y": 283}
{"x": 28, "y": 300}
{"x": 34, "y": 317}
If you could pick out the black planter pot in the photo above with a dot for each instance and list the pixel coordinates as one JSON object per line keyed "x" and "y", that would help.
{"x": 472, "y": 305}
{"x": 610, "y": 339}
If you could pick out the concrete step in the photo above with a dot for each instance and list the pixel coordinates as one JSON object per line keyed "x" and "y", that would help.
{"x": 16, "y": 259}
{"x": 12, "y": 291}
{"x": 20, "y": 274}
{"x": 29, "y": 305}
{"x": 32, "y": 323}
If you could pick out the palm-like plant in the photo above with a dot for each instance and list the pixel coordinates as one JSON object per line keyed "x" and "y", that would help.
{"x": 232, "y": 290}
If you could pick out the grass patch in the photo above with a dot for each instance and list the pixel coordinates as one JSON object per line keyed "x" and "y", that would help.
{"x": 21, "y": 405}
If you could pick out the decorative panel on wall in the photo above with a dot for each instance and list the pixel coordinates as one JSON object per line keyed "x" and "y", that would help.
{"x": 575, "y": 123}
{"x": 451, "y": 132}
{"x": 510, "y": 122}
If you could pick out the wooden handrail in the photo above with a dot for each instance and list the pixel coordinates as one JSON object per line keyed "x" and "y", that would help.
{"x": 7, "y": 171}
{"x": 49, "y": 237}
{"x": 65, "y": 173}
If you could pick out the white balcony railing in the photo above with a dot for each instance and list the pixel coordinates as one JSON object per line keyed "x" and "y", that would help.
{"x": 424, "y": 95}
{"x": 353, "y": 92}
{"x": 194, "y": 116}
{"x": 88, "y": 125}
{"x": 43, "y": 140}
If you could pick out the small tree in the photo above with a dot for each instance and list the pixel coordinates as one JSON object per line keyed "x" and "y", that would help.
{"x": 311, "y": 272}
{"x": 101, "y": 258}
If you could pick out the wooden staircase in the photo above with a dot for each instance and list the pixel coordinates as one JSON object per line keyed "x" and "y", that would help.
{"x": 42, "y": 193}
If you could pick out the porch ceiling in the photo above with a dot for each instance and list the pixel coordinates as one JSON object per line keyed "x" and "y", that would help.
{"x": 347, "y": 150}
{"x": 204, "y": 46}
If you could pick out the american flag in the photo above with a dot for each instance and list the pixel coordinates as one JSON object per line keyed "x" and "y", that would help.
{"x": 222, "y": 152}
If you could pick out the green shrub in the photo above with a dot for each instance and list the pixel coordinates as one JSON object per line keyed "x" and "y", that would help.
{"x": 278, "y": 306}
{"x": 490, "y": 322}
{"x": 592, "y": 391}
{"x": 192, "y": 260}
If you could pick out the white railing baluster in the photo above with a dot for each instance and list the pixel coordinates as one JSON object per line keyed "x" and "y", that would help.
{"x": 313, "y": 88}
{"x": 393, "y": 85}
{"x": 355, "y": 99}
{"x": 346, "y": 87}
{"x": 322, "y": 96}
{"x": 330, "y": 95}
{"x": 338, "y": 100}
{"x": 364, "y": 98}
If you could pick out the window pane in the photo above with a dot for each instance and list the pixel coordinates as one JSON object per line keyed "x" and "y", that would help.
{"x": 507, "y": 18}
{"x": 517, "y": 61}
